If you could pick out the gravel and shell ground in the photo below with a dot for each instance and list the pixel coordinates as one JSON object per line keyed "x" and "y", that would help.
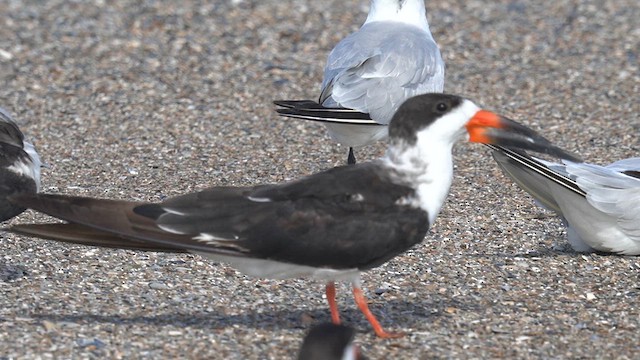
{"x": 150, "y": 99}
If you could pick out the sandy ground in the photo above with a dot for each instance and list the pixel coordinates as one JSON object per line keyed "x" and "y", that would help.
{"x": 150, "y": 99}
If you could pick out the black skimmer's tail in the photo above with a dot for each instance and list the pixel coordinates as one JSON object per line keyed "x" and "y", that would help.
{"x": 330, "y": 342}
{"x": 371, "y": 72}
{"x": 331, "y": 225}
{"x": 599, "y": 204}
{"x": 19, "y": 166}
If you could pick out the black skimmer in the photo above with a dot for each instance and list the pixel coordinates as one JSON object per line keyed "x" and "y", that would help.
{"x": 19, "y": 166}
{"x": 330, "y": 342}
{"x": 599, "y": 204}
{"x": 330, "y": 226}
{"x": 391, "y": 58}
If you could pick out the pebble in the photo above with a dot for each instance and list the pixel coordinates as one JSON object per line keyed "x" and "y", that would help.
{"x": 158, "y": 285}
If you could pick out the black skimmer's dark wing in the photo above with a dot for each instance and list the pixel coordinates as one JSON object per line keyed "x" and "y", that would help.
{"x": 332, "y": 220}
{"x": 371, "y": 72}
{"x": 600, "y": 205}
{"x": 330, "y": 342}
{"x": 330, "y": 225}
{"x": 19, "y": 166}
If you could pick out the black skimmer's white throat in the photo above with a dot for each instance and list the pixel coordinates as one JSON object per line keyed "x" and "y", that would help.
{"x": 330, "y": 226}
{"x": 330, "y": 342}
{"x": 391, "y": 58}
{"x": 19, "y": 166}
{"x": 599, "y": 204}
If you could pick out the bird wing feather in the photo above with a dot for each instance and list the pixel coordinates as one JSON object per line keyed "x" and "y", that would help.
{"x": 323, "y": 220}
{"x": 377, "y": 68}
{"x": 612, "y": 192}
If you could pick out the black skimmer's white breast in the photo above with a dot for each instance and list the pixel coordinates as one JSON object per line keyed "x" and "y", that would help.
{"x": 391, "y": 58}
{"x": 330, "y": 342}
{"x": 331, "y": 225}
{"x": 599, "y": 204}
{"x": 19, "y": 166}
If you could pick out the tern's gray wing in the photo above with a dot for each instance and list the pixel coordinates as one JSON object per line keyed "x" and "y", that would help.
{"x": 613, "y": 193}
{"x": 600, "y": 206}
{"x": 553, "y": 188}
{"x": 377, "y": 68}
{"x": 538, "y": 177}
{"x": 630, "y": 166}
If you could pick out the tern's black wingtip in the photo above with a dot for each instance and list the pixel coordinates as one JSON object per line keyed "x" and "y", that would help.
{"x": 287, "y": 112}
{"x": 297, "y": 104}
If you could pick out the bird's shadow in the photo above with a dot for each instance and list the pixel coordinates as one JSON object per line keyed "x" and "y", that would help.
{"x": 551, "y": 253}
{"x": 392, "y": 314}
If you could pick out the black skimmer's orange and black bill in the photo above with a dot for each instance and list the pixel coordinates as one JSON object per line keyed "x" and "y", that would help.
{"x": 330, "y": 342}
{"x": 330, "y": 226}
{"x": 391, "y": 58}
{"x": 19, "y": 166}
{"x": 599, "y": 204}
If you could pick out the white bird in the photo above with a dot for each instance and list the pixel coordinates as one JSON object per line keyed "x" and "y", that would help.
{"x": 330, "y": 226}
{"x": 19, "y": 166}
{"x": 391, "y": 58}
{"x": 599, "y": 204}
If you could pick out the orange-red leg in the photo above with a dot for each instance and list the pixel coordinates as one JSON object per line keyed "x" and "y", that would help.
{"x": 361, "y": 301}
{"x": 333, "y": 306}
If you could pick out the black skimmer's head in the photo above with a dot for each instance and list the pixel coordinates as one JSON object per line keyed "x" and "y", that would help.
{"x": 330, "y": 342}
{"x": 19, "y": 166}
{"x": 391, "y": 58}
{"x": 331, "y": 225}
{"x": 599, "y": 204}
{"x": 439, "y": 120}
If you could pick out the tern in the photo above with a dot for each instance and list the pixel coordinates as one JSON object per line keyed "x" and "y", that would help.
{"x": 331, "y": 225}
{"x": 599, "y": 204}
{"x": 391, "y": 58}
{"x": 330, "y": 342}
{"x": 19, "y": 166}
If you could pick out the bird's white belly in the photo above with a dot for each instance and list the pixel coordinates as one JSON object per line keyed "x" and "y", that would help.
{"x": 268, "y": 269}
{"x": 357, "y": 135}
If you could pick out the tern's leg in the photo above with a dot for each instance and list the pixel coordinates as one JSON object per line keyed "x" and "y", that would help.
{"x": 351, "y": 159}
{"x": 362, "y": 304}
{"x": 333, "y": 306}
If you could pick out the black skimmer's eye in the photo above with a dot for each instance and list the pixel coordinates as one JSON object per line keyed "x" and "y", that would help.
{"x": 442, "y": 107}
